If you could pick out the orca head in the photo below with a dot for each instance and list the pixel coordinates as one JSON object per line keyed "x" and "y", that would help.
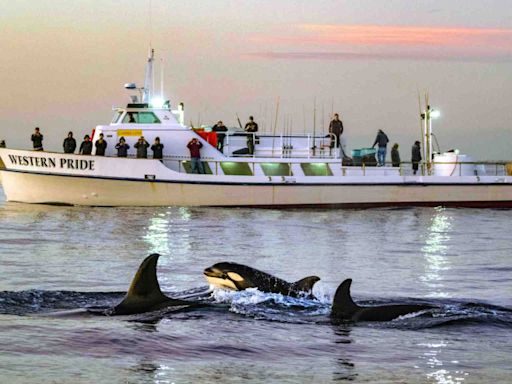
{"x": 228, "y": 275}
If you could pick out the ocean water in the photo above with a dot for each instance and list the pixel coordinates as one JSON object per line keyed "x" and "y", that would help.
{"x": 56, "y": 259}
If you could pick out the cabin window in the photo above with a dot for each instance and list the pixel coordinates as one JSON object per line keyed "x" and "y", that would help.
{"x": 117, "y": 116}
{"x": 316, "y": 169}
{"x": 141, "y": 118}
{"x": 187, "y": 165}
{"x": 276, "y": 169}
{"x": 235, "y": 169}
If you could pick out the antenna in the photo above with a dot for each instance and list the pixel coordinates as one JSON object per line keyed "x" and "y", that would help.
{"x": 150, "y": 23}
{"x": 162, "y": 78}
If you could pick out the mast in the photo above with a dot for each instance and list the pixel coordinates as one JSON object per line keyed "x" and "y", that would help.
{"x": 148, "y": 78}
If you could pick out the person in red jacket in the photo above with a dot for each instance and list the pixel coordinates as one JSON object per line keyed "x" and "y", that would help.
{"x": 195, "y": 155}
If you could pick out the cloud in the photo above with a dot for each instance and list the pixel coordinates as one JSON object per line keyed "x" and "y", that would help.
{"x": 337, "y": 42}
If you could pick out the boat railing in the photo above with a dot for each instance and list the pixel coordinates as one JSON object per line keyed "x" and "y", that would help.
{"x": 404, "y": 169}
{"x": 282, "y": 146}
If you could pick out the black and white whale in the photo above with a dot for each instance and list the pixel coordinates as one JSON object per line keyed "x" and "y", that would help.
{"x": 144, "y": 294}
{"x": 344, "y": 308}
{"x": 239, "y": 277}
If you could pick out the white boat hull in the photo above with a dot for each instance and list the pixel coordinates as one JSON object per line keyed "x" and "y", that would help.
{"x": 93, "y": 191}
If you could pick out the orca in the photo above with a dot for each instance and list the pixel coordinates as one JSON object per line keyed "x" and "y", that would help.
{"x": 344, "y": 308}
{"x": 238, "y": 277}
{"x": 144, "y": 294}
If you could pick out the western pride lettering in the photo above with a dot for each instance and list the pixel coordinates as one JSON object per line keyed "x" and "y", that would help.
{"x": 50, "y": 162}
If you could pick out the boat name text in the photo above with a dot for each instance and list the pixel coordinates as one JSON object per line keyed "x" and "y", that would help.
{"x": 50, "y": 162}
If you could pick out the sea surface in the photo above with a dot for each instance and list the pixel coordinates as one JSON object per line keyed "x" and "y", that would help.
{"x": 57, "y": 260}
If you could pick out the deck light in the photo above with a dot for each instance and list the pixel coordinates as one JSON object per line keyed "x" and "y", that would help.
{"x": 434, "y": 114}
{"x": 157, "y": 102}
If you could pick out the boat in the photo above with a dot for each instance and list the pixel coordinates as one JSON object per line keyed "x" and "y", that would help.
{"x": 283, "y": 170}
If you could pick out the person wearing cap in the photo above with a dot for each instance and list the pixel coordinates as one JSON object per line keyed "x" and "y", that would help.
{"x": 122, "y": 147}
{"x": 158, "y": 149}
{"x": 69, "y": 143}
{"x": 142, "y": 148}
{"x": 100, "y": 145}
{"x": 37, "y": 140}
{"x": 220, "y": 128}
{"x": 86, "y": 146}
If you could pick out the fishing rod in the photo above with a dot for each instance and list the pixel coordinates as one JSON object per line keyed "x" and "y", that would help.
{"x": 275, "y": 127}
{"x": 314, "y": 126}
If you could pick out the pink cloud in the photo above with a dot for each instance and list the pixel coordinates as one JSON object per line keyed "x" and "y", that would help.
{"x": 387, "y": 42}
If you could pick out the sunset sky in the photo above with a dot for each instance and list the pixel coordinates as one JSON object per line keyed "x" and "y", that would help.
{"x": 63, "y": 65}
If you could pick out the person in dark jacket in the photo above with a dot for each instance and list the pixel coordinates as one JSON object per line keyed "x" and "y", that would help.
{"x": 220, "y": 128}
{"x": 195, "y": 155}
{"x": 86, "y": 146}
{"x": 251, "y": 127}
{"x": 336, "y": 128}
{"x": 382, "y": 141}
{"x": 395, "y": 155}
{"x": 69, "y": 143}
{"x": 157, "y": 149}
{"x": 142, "y": 148}
{"x": 122, "y": 148}
{"x": 37, "y": 140}
{"x": 415, "y": 156}
{"x": 100, "y": 145}
{"x": 2, "y": 143}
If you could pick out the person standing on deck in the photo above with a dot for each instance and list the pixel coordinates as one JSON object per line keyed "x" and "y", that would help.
{"x": 122, "y": 147}
{"x": 86, "y": 146}
{"x": 157, "y": 149}
{"x": 69, "y": 143}
{"x": 395, "y": 156}
{"x": 195, "y": 155}
{"x": 100, "y": 145}
{"x": 336, "y": 129}
{"x": 37, "y": 140}
{"x": 251, "y": 127}
{"x": 142, "y": 148}
{"x": 382, "y": 141}
{"x": 415, "y": 156}
{"x": 220, "y": 128}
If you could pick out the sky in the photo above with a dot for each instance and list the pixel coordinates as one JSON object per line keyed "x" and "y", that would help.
{"x": 63, "y": 65}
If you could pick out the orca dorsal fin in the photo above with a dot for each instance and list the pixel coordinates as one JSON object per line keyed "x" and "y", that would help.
{"x": 343, "y": 307}
{"x": 144, "y": 291}
{"x": 306, "y": 284}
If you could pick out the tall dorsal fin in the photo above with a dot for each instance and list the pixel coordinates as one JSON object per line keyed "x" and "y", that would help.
{"x": 343, "y": 306}
{"x": 305, "y": 284}
{"x": 144, "y": 291}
